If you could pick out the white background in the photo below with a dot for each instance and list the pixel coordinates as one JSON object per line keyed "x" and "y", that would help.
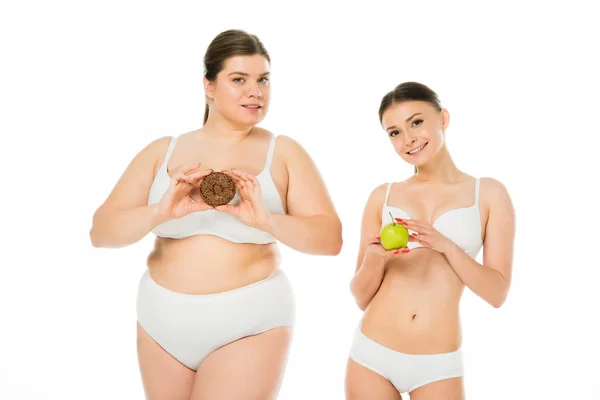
{"x": 86, "y": 85}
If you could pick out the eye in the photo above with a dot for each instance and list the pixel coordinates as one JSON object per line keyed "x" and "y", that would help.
{"x": 394, "y": 133}
{"x": 264, "y": 79}
{"x": 238, "y": 80}
{"x": 417, "y": 122}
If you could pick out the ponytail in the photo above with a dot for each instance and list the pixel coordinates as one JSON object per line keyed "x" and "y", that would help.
{"x": 206, "y": 110}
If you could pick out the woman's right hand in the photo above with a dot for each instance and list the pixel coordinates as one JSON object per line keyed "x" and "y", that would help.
{"x": 376, "y": 248}
{"x": 177, "y": 201}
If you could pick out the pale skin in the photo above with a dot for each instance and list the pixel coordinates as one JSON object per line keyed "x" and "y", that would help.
{"x": 251, "y": 367}
{"x": 411, "y": 298}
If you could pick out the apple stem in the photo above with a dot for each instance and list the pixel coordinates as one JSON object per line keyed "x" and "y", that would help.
{"x": 392, "y": 217}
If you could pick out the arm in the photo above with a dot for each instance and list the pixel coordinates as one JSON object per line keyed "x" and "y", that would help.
{"x": 125, "y": 218}
{"x": 311, "y": 224}
{"x": 491, "y": 280}
{"x": 370, "y": 266}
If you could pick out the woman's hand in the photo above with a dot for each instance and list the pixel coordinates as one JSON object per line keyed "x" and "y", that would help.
{"x": 251, "y": 211}
{"x": 426, "y": 235}
{"x": 376, "y": 248}
{"x": 177, "y": 200}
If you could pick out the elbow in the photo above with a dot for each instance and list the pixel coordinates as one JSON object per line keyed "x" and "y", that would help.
{"x": 95, "y": 239}
{"x": 499, "y": 300}
{"x": 98, "y": 238}
{"x": 335, "y": 245}
{"x": 362, "y": 305}
{"x": 497, "y": 303}
{"x": 360, "y": 302}
{"x": 500, "y": 293}
{"x": 335, "y": 248}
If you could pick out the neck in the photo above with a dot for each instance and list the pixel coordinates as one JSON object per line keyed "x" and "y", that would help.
{"x": 220, "y": 127}
{"x": 440, "y": 169}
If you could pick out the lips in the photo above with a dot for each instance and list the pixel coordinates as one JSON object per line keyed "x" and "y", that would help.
{"x": 252, "y": 106}
{"x": 417, "y": 150}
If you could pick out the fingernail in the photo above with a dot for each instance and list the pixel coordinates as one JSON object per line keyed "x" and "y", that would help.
{"x": 397, "y": 251}
{"x": 413, "y": 234}
{"x": 399, "y": 219}
{"x": 406, "y": 250}
{"x": 378, "y": 238}
{"x": 404, "y": 223}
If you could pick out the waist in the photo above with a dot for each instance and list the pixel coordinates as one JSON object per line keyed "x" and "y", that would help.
{"x": 206, "y": 264}
{"x": 416, "y": 309}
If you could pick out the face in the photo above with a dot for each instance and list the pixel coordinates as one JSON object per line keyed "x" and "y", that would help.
{"x": 241, "y": 91}
{"x": 416, "y": 129}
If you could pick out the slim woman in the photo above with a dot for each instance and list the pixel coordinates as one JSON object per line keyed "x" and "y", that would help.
{"x": 409, "y": 338}
{"x": 215, "y": 312}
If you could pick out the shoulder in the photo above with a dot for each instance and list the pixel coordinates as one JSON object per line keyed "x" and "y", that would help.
{"x": 287, "y": 144}
{"x": 154, "y": 151}
{"x": 495, "y": 194}
{"x": 161, "y": 142}
{"x": 491, "y": 188}
{"x": 379, "y": 191}
{"x": 377, "y": 197}
{"x": 290, "y": 150}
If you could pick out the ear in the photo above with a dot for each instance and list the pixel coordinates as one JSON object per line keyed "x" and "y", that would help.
{"x": 445, "y": 119}
{"x": 209, "y": 88}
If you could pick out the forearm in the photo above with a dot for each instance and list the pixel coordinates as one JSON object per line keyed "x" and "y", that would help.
{"x": 118, "y": 228}
{"x": 367, "y": 280}
{"x": 487, "y": 283}
{"x": 320, "y": 235}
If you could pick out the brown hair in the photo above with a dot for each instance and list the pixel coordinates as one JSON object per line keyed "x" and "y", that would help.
{"x": 409, "y": 91}
{"x": 228, "y": 44}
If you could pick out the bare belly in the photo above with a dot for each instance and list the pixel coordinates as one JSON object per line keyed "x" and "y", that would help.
{"x": 416, "y": 309}
{"x": 204, "y": 264}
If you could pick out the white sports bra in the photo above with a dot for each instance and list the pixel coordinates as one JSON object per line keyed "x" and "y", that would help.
{"x": 461, "y": 225}
{"x": 213, "y": 222}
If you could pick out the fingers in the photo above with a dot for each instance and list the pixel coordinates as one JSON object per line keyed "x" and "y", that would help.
{"x": 239, "y": 182}
{"x": 375, "y": 240}
{"x": 183, "y": 174}
{"x": 415, "y": 225}
{"x": 245, "y": 183}
{"x": 228, "y": 209}
{"x": 200, "y": 206}
{"x": 200, "y": 174}
{"x": 187, "y": 169}
{"x": 244, "y": 177}
{"x": 181, "y": 177}
{"x": 420, "y": 238}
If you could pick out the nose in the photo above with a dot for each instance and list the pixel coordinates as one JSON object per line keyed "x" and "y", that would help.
{"x": 254, "y": 90}
{"x": 409, "y": 139}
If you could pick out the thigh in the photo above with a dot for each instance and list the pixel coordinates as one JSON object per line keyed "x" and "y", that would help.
{"x": 447, "y": 389}
{"x": 163, "y": 377}
{"x": 250, "y": 368}
{"x": 365, "y": 384}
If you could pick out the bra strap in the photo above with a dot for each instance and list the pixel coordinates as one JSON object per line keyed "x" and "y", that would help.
{"x": 477, "y": 191}
{"x": 387, "y": 192}
{"x": 169, "y": 151}
{"x": 271, "y": 151}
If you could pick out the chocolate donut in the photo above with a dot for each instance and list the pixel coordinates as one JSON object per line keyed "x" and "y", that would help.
{"x": 217, "y": 189}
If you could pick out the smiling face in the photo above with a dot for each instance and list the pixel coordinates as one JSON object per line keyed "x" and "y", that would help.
{"x": 241, "y": 91}
{"x": 416, "y": 130}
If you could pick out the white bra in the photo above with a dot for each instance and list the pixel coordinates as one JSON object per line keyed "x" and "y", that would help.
{"x": 213, "y": 222}
{"x": 461, "y": 225}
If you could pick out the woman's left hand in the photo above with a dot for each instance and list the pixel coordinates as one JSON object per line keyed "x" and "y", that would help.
{"x": 426, "y": 235}
{"x": 252, "y": 210}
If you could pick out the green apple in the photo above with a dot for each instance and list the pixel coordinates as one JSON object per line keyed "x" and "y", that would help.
{"x": 393, "y": 235}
